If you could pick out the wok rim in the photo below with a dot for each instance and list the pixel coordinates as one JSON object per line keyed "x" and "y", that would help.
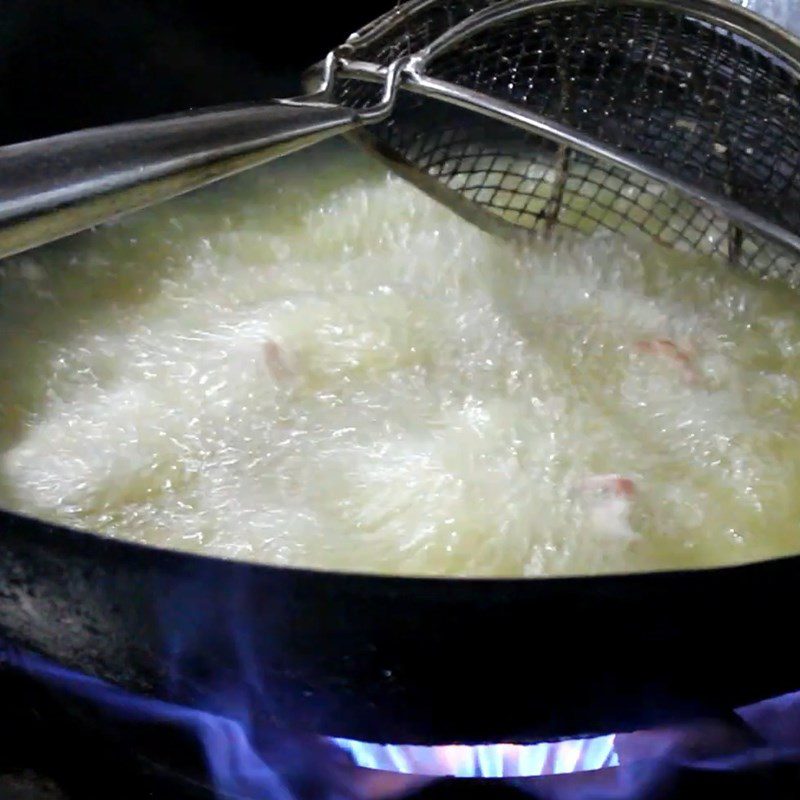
{"x": 92, "y": 538}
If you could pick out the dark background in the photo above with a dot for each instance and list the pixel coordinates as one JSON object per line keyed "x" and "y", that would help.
{"x": 67, "y": 64}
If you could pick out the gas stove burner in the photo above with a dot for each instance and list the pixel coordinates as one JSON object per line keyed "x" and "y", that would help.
{"x": 487, "y": 760}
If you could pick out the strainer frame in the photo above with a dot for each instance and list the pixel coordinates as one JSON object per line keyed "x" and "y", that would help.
{"x": 758, "y": 31}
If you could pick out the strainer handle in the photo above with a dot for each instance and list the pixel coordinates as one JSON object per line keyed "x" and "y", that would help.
{"x": 50, "y": 188}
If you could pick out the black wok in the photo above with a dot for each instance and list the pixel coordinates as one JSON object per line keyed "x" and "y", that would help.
{"x": 402, "y": 660}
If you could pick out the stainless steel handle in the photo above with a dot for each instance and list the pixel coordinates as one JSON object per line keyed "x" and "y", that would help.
{"x": 52, "y": 187}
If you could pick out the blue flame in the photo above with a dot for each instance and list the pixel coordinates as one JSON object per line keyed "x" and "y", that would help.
{"x": 235, "y": 767}
{"x": 487, "y": 760}
{"x": 241, "y": 769}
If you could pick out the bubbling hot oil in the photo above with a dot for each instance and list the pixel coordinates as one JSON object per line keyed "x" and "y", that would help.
{"x": 314, "y": 364}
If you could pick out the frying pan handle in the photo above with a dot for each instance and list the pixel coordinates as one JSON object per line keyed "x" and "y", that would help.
{"x": 53, "y": 187}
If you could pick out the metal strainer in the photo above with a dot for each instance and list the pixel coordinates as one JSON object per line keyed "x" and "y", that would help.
{"x": 680, "y": 120}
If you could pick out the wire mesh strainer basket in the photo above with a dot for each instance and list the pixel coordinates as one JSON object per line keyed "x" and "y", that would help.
{"x": 680, "y": 120}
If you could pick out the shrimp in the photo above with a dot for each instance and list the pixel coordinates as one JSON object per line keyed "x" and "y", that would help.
{"x": 608, "y": 500}
{"x": 611, "y": 485}
{"x": 275, "y": 360}
{"x": 681, "y": 357}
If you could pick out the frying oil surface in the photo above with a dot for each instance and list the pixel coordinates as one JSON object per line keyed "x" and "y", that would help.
{"x": 316, "y": 365}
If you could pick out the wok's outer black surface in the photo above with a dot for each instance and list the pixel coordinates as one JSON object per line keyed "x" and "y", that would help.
{"x": 398, "y": 659}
